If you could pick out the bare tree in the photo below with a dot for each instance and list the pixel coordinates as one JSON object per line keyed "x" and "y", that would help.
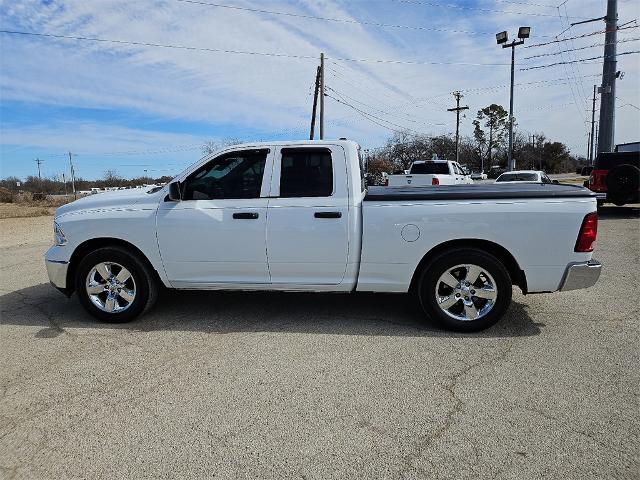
{"x": 214, "y": 145}
{"x": 111, "y": 178}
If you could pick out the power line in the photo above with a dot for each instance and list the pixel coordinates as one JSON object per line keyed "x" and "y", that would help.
{"x": 582, "y": 60}
{"x": 557, "y": 40}
{"x": 571, "y": 77}
{"x": 149, "y": 44}
{"x": 478, "y": 9}
{"x": 243, "y": 52}
{"x": 526, "y": 4}
{"x": 331, "y": 19}
{"x": 627, "y": 104}
{"x": 409, "y": 118}
{"x": 635, "y": 39}
{"x": 375, "y": 119}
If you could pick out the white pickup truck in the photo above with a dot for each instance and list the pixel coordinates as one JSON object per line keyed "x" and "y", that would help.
{"x": 431, "y": 172}
{"x": 296, "y": 216}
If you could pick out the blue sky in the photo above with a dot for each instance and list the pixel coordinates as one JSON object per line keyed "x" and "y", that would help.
{"x": 135, "y": 108}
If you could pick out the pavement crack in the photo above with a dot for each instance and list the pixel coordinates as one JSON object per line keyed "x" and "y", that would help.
{"x": 562, "y": 424}
{"x": 425, "y": 442}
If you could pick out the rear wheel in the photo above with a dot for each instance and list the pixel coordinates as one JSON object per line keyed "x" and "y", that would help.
{"x": 115, "y": 285}
{"x": 465, "y": 290}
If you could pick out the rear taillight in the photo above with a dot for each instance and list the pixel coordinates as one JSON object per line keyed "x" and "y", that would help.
{"x": 598, "y": 180}
{"x": 435, "y": 181}
{"x": 588, "y": 233}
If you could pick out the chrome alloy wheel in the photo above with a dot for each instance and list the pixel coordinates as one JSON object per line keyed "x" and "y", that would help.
{"x": 111, "y": 287}
{"x": 466, "y": 292}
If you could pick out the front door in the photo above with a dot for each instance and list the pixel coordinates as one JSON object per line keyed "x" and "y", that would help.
{"x": 308, "y": 216}
{"x": 216, "y": 234}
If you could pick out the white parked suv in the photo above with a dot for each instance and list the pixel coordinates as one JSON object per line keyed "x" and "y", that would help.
{"x": 297, "y": 216}
{"x": 432, "y": 172}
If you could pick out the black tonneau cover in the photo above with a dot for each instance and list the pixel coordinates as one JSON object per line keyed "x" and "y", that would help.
{"x": 489, "y": 191}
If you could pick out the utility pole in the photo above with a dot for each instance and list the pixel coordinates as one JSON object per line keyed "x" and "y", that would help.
{"x": 457, "y": 95}
{"x": 608, "y": 87}
{"x": 64, "y": 180}
{"x": 596, "y": 136}
{"x": 73, "y": 176}
{"x": 38, "y": 161}
{"x": 593, "y": 121}
{"x": 315, "y": 104}
{"x": 321, "y": 96}
{"x": 588, "y": 145}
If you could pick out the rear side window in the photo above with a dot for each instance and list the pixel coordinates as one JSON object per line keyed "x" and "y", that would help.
{"x": 517, "y": 177}
{"x": 430, "y": 168}
{"x": 306, "y": 172}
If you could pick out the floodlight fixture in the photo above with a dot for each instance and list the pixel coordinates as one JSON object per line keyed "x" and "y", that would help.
{"x": 502, "y": 37}
{"x": 523, "y": 32}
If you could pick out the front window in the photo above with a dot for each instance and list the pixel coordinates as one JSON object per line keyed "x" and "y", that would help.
{"x": 232, "y": 175}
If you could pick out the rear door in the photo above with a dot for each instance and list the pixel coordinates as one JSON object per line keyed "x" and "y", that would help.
{"x": 308, "y": 216}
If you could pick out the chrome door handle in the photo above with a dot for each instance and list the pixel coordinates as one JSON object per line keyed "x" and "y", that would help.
{"x": 246, "y": 216}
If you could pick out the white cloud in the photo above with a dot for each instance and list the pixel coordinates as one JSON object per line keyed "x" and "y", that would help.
{"x": 270, "y": 94}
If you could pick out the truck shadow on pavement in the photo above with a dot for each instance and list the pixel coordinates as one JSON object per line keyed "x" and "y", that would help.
{"x": 233, "y": 312}
{"x": 612, "y": 212}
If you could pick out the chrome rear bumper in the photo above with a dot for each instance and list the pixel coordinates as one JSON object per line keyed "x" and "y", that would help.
{"x": 581, "y": 275}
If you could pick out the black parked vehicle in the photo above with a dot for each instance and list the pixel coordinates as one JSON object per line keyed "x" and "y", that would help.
{"x": 618, "y": 175}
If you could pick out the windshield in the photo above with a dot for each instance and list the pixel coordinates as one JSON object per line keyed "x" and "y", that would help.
{"x": 430, "y": 168}
{"x": 518, "y": 177}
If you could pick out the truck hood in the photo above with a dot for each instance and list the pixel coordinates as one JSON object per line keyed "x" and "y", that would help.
{"x": 117, "y": 199}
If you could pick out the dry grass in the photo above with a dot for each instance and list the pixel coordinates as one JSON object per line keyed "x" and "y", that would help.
{"x": 23, "y": 206}
{"x": 17, "y": 210}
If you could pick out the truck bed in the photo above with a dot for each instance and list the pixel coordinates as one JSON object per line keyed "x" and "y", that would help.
{"x": 477, "y": 192}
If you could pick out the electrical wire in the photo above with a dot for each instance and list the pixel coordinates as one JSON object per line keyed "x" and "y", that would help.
{"x": 557, "y": 40}
{"x": 479, "y": 9}
{"x": 635, "y": 39}
{"x": 244, "y": 52}
{"x": 582, "y": 60}
{"x": 408, "y": 117}
{"x": 375, "y": 119}
{"x": 330, "y": 19}
{"x": 161, "y": 45}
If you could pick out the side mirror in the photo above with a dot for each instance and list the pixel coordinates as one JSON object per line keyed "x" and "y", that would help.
{"x": 174, "y": 192}
{"x": 555, "y": 181}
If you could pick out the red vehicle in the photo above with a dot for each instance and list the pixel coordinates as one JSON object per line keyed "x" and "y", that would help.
{"x": 617, "y": 175}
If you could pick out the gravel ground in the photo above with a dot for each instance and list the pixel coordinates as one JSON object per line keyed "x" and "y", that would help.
{"x": 239, "y": 385}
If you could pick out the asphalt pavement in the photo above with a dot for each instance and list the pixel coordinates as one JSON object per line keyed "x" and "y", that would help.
{"x": 279, "y": 385}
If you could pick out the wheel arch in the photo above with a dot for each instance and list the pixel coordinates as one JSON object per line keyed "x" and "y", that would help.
{"x": 516, "y": 274}
{"x": 93, "y": 244}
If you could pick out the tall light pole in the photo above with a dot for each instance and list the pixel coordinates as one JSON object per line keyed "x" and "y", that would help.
{"x": 501, "y": 39}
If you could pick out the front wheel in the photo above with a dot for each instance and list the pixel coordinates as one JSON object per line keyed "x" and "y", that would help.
{"x": 115, "y": 285}
{"x": 465, "y": 290}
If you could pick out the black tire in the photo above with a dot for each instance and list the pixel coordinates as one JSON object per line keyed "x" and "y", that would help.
{"x": 623, "y": 183}
{"x": 146, "y": 283}
{"x": 431, "y": 273}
